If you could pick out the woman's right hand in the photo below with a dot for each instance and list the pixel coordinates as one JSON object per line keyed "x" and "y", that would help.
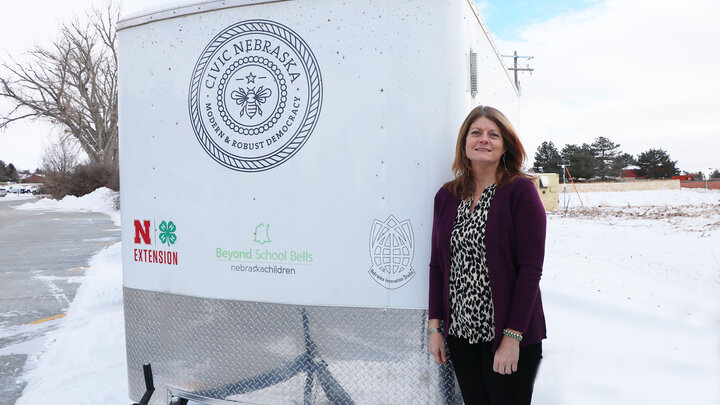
{"x": 436, "y": 347}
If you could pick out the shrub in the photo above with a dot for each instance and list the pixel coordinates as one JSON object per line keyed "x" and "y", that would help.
{"x": 83, "y": 179}
{"x": 86, "y": 178}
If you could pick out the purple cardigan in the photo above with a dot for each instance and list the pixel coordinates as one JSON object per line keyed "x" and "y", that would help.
{"x": 514, "y": 249}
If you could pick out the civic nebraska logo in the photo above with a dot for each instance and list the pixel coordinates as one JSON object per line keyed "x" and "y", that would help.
{"x": 255, "y": 95}
{"x": 392, "y": 247}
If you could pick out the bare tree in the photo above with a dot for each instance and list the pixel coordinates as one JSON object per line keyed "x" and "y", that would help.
{"x": 58, "y": 163}
{"x": 61, "y": 157}
{"x": 72, "y": 83}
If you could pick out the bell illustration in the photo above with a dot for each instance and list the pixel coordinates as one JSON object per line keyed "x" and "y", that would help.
{"x": 262, "y": 235}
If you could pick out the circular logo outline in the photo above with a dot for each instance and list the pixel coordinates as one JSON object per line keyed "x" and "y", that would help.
{"x": 309, "y": 119}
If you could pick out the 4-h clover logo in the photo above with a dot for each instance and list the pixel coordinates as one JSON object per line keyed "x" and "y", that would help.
{"x": 167, "y": 233}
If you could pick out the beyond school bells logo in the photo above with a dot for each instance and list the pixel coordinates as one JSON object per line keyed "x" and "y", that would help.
{"x": 255, "y": 95}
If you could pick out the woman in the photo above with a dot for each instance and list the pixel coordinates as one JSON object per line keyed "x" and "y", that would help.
{"x": 488, "y": 244}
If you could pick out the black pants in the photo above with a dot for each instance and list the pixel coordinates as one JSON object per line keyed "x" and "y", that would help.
{"x": 480, "y": 385}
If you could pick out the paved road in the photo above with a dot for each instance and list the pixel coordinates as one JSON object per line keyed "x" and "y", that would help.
{"x": 43, "y": 256}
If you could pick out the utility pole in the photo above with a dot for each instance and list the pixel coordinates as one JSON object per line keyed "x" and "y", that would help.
{"x": 566, "y": 200}
{"x": 515, "y": 67}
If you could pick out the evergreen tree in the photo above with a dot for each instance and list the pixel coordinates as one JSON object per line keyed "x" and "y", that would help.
{"x": 698, "y": 176}
{"x": 12, "y": 173}
{"x": 715, "y": 174}
{"x": 547, "y": 159}
{"x": 8, "y": 173}
{"x": 656, "y": 163}
{"x": 581, "y": 160}
{"x": 622, "y": 161}
{"x": 605, "y": 152}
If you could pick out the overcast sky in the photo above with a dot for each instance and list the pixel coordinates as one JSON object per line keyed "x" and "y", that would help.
{"x": 640, "y": 72}
{"x": 22, "y": 24}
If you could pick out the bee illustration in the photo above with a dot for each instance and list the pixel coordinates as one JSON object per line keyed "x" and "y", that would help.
{"x": 251, "y": 100}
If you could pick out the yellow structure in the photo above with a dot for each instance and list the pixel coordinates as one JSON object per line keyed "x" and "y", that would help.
{"x": 548, "y": 185}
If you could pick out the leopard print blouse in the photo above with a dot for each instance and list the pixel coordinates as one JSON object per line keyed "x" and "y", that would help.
{"x": 471, "y": 307}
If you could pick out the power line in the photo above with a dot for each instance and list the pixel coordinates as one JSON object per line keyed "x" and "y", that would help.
{"x": 517, "y": 69}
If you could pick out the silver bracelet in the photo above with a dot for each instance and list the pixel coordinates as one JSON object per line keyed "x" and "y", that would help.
{"x": 434, "y": 330}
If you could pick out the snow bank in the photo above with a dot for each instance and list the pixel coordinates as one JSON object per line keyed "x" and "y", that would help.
{"x": 101, "y": 200}
{"x": 84, "y": 360}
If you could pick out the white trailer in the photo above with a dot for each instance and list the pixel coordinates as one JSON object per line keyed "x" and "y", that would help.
{"x": 278, "y": 165}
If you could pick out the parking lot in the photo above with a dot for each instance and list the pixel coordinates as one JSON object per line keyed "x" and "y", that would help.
{"x": 43, "y": 257}
{"x": 19, "y": 189}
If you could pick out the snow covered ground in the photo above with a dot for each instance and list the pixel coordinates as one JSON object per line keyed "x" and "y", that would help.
{"x": 631, "y": 287}
{"x": 83, "y": 362}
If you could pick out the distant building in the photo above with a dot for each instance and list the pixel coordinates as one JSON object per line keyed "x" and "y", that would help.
{"x": 33, "y": 178}
{"x": 684, "y": 177}
{"x": 630, "y": 172}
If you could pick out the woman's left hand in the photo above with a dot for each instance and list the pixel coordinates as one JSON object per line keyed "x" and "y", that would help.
{"x": 506, "y": 356}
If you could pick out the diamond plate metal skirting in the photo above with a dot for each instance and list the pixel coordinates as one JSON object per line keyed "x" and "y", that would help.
{"x": 259, "y": 353}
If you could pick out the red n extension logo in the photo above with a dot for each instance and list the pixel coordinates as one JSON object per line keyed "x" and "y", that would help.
{"x": 142, "y": 230}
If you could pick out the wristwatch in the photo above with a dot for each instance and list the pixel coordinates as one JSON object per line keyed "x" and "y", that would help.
{"x": 434, "y": 330}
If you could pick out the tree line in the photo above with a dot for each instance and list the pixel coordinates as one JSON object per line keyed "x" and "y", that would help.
{"x": 8, "y": 173}
{"x": 602, "y": 159}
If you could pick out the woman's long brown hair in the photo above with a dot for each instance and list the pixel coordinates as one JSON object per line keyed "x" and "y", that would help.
{"x": 463, "y": 186}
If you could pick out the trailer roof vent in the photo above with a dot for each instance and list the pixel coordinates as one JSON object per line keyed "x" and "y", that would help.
{"x": 473, "y": 74}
